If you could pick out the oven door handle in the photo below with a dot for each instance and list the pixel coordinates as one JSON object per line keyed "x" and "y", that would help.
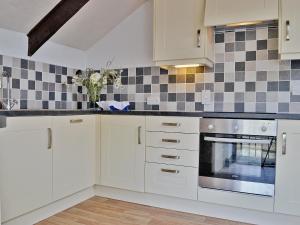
{"x": 237, "y": 140}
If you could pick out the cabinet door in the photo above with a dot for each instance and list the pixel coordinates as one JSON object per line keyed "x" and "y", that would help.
{"x": 287, "y": 194}
{"x": 74, "y": 148}
{"x": 25, "y": 166}
{"x": 176, "y": 25}
{"x": 123, "y": 152}
{"x": 289, "y": 28}
{"x": 221, "y": 12}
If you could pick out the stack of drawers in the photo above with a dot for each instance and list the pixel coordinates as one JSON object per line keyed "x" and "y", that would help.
{"x": 172, "y": 156}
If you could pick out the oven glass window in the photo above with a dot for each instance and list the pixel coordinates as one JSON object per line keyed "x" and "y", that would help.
{"x": 238, "y": 157}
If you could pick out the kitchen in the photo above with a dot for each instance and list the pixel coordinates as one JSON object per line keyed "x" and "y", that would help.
{"x": 149, "y": 112}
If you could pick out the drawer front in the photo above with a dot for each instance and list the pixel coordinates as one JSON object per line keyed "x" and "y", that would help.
{"x": 173, "y": 140}
{"x": 74, "y": 121}
{"x": 177, "y": 181}
{"x": 172, "y": 157}
{"x": 173, "y": 124}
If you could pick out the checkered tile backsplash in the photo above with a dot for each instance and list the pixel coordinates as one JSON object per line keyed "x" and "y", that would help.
{"x": 247, "y": 77}
{"x": 38, "y": 85}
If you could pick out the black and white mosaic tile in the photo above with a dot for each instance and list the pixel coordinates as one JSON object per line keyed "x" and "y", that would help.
{"x": 38, "y": 85}
{"x": 247, "y": 77}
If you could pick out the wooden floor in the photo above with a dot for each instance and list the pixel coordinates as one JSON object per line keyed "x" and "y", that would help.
{"x": 102, "y": 211}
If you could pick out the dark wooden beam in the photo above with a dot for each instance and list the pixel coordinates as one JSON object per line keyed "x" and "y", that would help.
{"x": 52, "y": 22}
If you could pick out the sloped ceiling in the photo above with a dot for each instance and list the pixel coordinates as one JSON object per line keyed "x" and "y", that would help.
{"x": 82, "y": 31}
{"x": 22, "y": 15}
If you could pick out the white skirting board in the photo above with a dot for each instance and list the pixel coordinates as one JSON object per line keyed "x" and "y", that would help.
{"x": 52, "y": 209}
{"x": 197, "y": 207}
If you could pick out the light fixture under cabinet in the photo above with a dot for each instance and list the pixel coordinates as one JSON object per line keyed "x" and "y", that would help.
{"x": 187, "y": 66}
{"x": 249, "y": 23}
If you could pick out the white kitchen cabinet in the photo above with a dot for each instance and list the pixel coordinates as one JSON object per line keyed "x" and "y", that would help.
{"x": 221, "y": 12}
{"x": 180, "y": 37}
{"x": 287, "y": 194}
{"x": 74, "y": 149}
{"x": 289, "y": 32}
{"x": 173, "y": 124}
{"x": 25, "y": 166}
{"x": 177, "y": 181}
{"x": 172, "y": 156}
{"x": 123, "y": 152}
{"x": 173, "y": 140}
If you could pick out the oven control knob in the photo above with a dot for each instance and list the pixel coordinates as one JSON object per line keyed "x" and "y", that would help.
{"x": 236, "y": 128}
{"x": 264, "y": 128}
{"x": 211, "y": 127}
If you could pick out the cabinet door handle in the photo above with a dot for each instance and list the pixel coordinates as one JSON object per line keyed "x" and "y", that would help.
{"x": 49, "y": 138}
{"x": 198, "y": 38}
{"x": 169, "y": 171}
{"x": 139, "y": 135}
{"x": 170, "y": 157}
{"x": 284, "y": 137}
{"x": 288, "y": 30}
{"x": 76, "y": 121}
{"x": 171, "y": 124}
{"x": 170, "y": 141}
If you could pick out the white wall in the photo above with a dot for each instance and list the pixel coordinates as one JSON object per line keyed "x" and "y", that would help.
{"x": 129, "y": 44}
{"x": 15, "y": 44}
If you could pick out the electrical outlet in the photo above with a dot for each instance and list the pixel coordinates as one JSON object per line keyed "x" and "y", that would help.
{"x": 206, "y": 97}
{"x": 153, "y": 100}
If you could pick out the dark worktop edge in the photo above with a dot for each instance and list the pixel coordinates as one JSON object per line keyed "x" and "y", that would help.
{"x": 20, "y": 113}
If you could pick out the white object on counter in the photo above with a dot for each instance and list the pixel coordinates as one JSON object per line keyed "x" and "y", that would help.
{"x": 105, "y": 105}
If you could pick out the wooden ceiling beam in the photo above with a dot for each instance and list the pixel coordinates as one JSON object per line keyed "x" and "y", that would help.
{"x": 52, "y": 22}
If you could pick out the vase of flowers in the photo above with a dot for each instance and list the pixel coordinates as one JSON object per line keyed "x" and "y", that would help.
{"x": 95, "y": 81}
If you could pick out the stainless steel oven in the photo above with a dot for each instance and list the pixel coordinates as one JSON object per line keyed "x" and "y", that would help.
{"x": 238, "y": 155}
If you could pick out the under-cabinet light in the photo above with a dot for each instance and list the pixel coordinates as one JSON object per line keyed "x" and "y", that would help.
{"x": 243, "y": 24}
{"x": 187, "y": 66}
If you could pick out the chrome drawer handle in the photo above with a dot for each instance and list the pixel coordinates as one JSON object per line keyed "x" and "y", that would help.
{"x": 171, "y": 141}
{"x": 76, "y": 121}
{"x": 288, "y": 30}
{"x": 284, "y": 137}
{"x": 199, "y": 38}
{"x": 171, "y": 124}
{"x": 170, "y": 157}
{"x": 49, "y": 138}
{"x": 169, "y": 171}
{"x": 139, "y": 135}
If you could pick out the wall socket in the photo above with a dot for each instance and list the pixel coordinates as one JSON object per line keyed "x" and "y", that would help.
{"x": 153, "y": 100}
{"x": 295, "y": 87}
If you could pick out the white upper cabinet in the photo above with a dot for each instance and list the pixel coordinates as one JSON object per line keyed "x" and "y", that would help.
{"x": 123, "y": 152}
{"x": 287, "y": 196}
{"x": 180, "y": 37}
{"x": 25, "y": 166}
{"x": 74, "y": 149}
{"x": 289, "y": 32}
{"x": 221, "y": 12}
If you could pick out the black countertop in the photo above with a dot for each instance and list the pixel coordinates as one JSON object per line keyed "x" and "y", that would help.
{"x": 16, "y": 113}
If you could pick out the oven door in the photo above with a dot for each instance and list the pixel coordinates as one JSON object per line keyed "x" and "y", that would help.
{"x": 239, "y": 163}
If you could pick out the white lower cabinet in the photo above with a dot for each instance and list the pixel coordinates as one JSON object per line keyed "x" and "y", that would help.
{"x": 25, "y": 166}
{"x": 173, "y": 140}
{"x": 73, "y": 154}
{"x": 177, "y": 181}
{"x": 287, "y": 194}
{"x": 173, "y": 156}
{"x": 123, "y": 152}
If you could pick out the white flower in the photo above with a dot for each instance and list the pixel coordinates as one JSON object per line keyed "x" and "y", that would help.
{"x": 118, "y": 82}
{"x": 95, "y": 77}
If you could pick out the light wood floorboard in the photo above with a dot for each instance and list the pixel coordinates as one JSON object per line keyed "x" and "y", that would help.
{"x": 102, "y": 211}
